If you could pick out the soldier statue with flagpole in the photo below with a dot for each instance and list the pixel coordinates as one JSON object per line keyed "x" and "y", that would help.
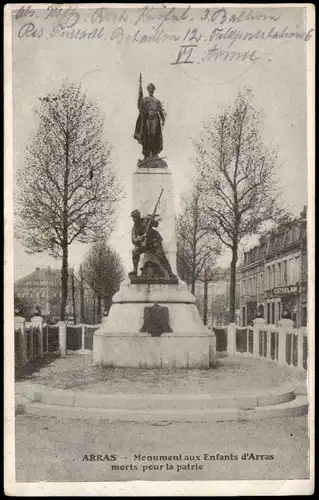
{"x": 151, "y": 119}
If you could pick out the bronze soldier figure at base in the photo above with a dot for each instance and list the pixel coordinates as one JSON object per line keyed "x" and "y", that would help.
{"x": 146, "y": 239}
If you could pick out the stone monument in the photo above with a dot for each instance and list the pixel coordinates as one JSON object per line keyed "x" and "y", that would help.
{"x": 153, "y": 321}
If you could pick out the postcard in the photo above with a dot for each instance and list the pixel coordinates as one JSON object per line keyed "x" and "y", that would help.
{"x": 159, "y": 249}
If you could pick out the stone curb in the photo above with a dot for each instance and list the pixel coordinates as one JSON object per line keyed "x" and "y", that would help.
{"x": 243, "y": 400}
{"x": 297, "y": 407}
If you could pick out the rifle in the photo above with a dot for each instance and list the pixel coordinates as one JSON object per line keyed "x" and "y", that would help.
{"x": 153, "y": 214}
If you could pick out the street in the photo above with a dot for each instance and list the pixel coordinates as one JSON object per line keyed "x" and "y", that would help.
{"x": 52, "y": 449}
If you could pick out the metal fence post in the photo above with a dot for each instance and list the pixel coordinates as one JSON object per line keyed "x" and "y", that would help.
{"x": 301, "y": 333}
{"x": 285, "y": 326}
{"x": 37, "y": 322}
{"x": 32, "y": 328}
{"x": 45, "y": 338}
{"x": 19, "y": 324}
{"x": 258, "y": 324}
{"x": 269, "y": 330}
{"x": 83, "y": 337}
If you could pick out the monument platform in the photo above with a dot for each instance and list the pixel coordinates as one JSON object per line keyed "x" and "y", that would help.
{"x": 154, "y": 326}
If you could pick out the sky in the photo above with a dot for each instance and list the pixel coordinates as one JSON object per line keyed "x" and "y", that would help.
{"x": 190, "y": 93}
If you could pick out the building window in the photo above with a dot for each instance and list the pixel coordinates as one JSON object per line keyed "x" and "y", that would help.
{"x": 279, "y": 311}
{"x": 269, "y": 277}
{"x": 304, "y": 316}
{"x": 289, "y": 238}
{"x": 268, "y": 313}
{"x": 261, "y": 282}
{"x": 292, "y": 271}
{"x": 289, "y": 272}
{"x": 275, "y": 275}
{"x": 244, "y": 316}
{"x": 273, "y": 313}
{"x": 285, "y": 272}
{"x": 296, "y": 233}
{"x": 276, "y": 312}
{"x": 297, "y": 269}
{"x": 278, "y": 274}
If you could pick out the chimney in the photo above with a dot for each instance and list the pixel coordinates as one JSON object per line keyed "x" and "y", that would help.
{"x": 303, "y": 213}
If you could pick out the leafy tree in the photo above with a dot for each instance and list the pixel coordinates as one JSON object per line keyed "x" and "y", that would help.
{"x": 103, "y": 271}
{"x": 237, "y": 176}
{"x": 67, "y": 188}
{"x": 23, "y": 306}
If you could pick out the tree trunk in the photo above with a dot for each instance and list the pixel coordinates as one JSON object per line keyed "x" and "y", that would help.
{"x": 193, "y": 275}
{"x": 94, "y": 309}
{"x": 64, "y": 282}
{"x": 99, "y": 309}
{"x": 193, "y": 286}
{"x": 82, "y": 296}
{"x": 232, "y": 288}
{"x": 73, "y": 297}
{"x": 64, "y": 245}
{"x": 205, "y": 309}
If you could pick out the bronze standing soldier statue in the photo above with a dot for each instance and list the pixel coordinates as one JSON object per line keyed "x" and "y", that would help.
{"x": 151, "y": 119}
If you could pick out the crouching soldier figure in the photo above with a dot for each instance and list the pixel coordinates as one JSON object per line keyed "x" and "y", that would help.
{"x": 146, "y": 239}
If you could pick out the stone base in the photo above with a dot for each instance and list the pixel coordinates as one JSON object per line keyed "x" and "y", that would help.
{"x": 152, "y": 163}
{"x": 136, "y": 280}
{"x": 119, "y": 342}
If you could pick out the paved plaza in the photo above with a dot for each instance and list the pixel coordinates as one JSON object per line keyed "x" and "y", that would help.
{"x": 53, "y": 449}
{"x": 58, "y": 448}
{"x": 76, "y": 372}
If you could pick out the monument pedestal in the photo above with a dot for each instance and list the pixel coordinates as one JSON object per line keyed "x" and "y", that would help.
{"x": 147, "y": 185}
{"x": 154, "y": 324}
{"x": 126, "y": 338}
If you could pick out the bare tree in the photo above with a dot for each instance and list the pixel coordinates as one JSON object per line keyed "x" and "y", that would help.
{"x": 237, "y": 175}
{"x": 103, "y": 271}
{"x": 67, "y": 188}
{"x": 197, "y": 248}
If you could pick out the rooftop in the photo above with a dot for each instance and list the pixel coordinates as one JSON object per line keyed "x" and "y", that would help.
{"x": 286, "y": 234}
{"x": 45, "y": 274}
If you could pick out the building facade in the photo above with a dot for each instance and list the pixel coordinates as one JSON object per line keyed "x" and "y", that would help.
{"x": 42, "y": 289}
{"x": 274, "y": 275}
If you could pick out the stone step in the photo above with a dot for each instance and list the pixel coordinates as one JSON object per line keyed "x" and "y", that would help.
{"x": 296, "y": 407}
{"x": 180, "y": 401}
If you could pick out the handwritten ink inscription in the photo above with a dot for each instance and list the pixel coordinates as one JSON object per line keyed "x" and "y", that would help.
{"x": 196, "y": 35}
